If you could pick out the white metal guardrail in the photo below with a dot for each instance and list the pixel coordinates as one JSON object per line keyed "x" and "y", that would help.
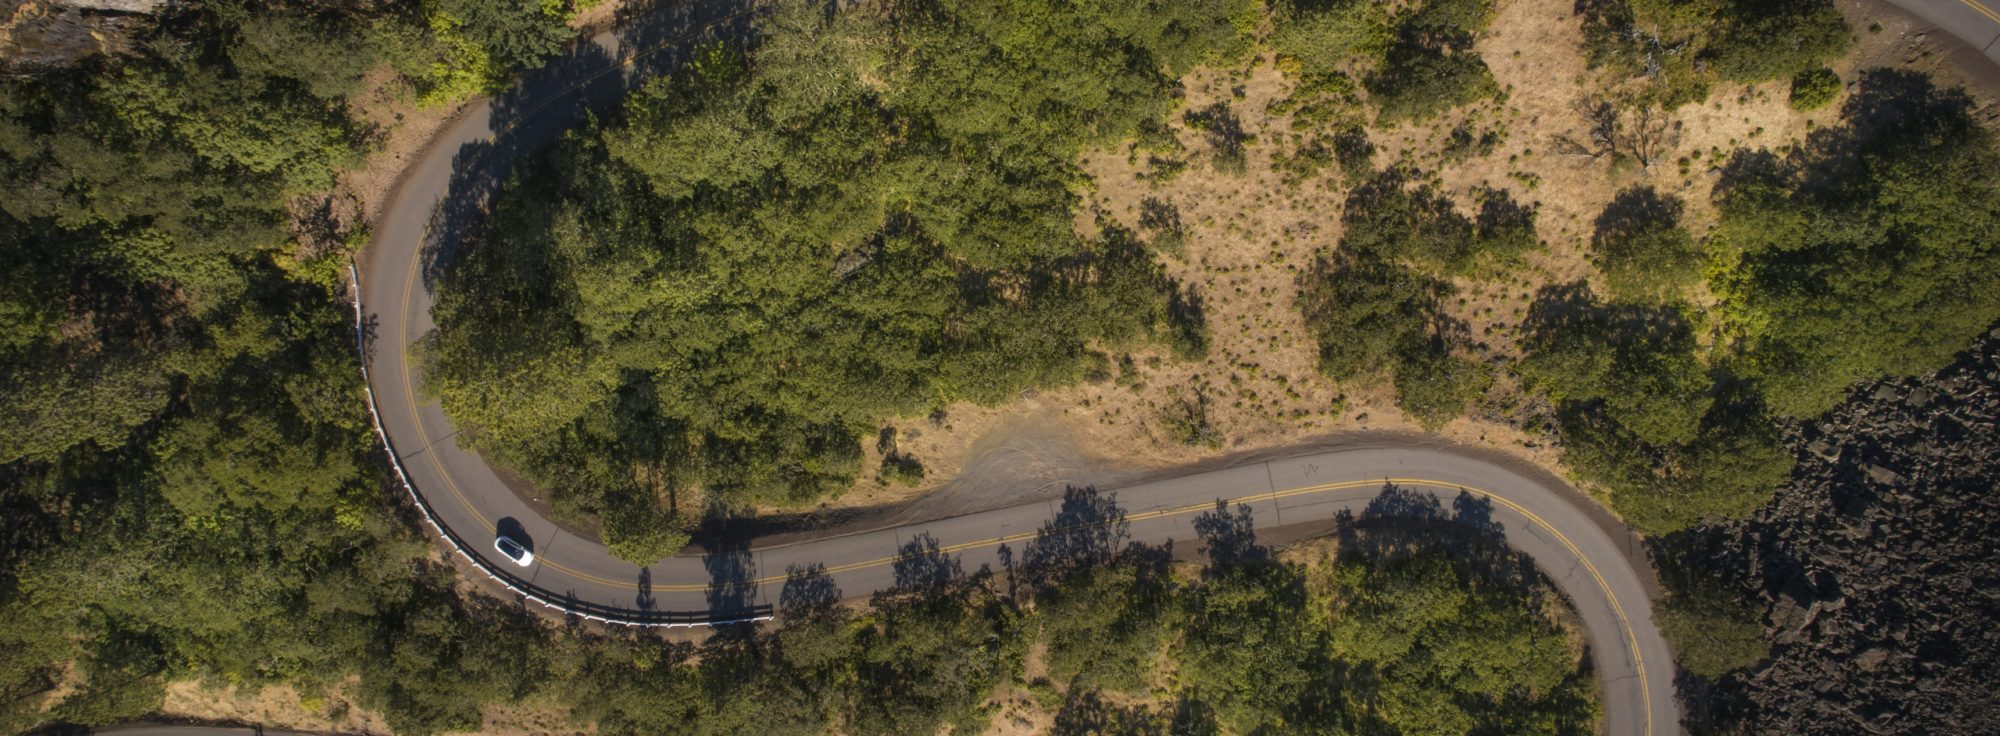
{"x": 568, "y": 605}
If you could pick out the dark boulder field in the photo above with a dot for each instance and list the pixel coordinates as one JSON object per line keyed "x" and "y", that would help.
{"x": 1879, "y": 566}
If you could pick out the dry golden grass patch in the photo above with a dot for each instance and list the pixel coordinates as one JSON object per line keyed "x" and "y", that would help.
{"x": 1249, "y": 236}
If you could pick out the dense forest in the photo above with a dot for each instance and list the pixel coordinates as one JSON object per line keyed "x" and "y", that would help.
{"x": 713, "y": 298}
{"x": 188, "y": 483}
{"x": 713, "y": 294}
{"x": 1401, "y": 632}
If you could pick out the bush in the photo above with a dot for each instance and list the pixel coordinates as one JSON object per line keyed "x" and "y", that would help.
{"x": 1813, "y": 89}
{"x": 1643, "y": 251}
{"x": 1416, "y": 83}
{"x": 900, "y": 469}
{"x": 1185, "y": 419}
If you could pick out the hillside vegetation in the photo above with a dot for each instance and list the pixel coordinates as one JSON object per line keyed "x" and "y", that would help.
{"x": 710, "y": 297}
{"x": 189, "y": 485}
{"x": 1851, "y": 257}
{"x": 1398, "y": 632}
{"x": 714, "y": 298}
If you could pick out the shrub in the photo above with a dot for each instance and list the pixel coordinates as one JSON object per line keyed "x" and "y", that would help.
{"x": 1644, "y": 252}
{"x": 1416, "y": 83}
{"x": 1813, "y": 89}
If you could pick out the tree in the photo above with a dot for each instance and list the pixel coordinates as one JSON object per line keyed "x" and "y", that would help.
{"x": 515, "y": 34}
{"x": 1104, "y": 625}
{"x": 1321, "y": 36}
{"x": 1714, "y": 627}
{"x": 189, "y": 477}
{"x": 1681, "y": 48}
{"x": 1364, "y": 312}
{"x": 1733, "y": 467}
{"x": 1773, "y": 40}
{"x": 1814, "y": 88}
{"x": 1433, "y": 386}
{"x": 1430, "y": 66}
{"x": 1251, "y": 644}
{"x": 1866, "y": 252}
{"x": 1676, "y": 441}
{"x": 1416, "y": 83}
{"x": 930, "y": 661}
{"x": 1626, "y": 132}
{"x": 1375, "y": 307}
{"x": 1643, "y": 251}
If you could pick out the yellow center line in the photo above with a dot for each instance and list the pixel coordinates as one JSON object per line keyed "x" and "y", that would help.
{"x": 1991, "y": 14}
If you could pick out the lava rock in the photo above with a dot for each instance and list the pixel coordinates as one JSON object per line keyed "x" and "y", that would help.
{"x": 1880, "y": 565}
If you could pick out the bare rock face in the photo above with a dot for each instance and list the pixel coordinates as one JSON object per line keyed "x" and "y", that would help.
{"x": 37, "y": 35}
{"x": 1880, "y": 565}
{"x": 115, "y": 6}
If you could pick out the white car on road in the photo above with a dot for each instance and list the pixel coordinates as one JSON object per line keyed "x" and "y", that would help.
{"x": 514, "y": 550}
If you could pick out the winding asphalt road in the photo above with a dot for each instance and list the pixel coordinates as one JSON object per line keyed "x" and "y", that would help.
{"x": 1976, "y": 22}
{"x": 443, "y": 191}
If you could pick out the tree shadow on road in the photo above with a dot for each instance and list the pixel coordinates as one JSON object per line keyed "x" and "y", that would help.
{"x": 809, "y": 592}
{"x": 922, "y": 567}
{"x": 732, "y": 583}
{"x": 1088, "y": 530}
{"x": 1229, "y": 536}
{"x": 1399, "y": 521}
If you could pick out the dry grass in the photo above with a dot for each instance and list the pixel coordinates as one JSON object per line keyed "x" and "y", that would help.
{"x": 281, "y": 707}
{"x": 1250, "y": 235}
{"x": 272, "y": 707}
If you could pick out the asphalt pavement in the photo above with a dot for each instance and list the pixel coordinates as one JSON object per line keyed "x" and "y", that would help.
{"x": 1976, "y": 22}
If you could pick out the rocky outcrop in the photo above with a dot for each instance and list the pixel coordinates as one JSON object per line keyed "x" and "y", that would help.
{"x": 44, "y": 34}
{"x": 115, "y": 6}
{"x": 1880, "y": 567}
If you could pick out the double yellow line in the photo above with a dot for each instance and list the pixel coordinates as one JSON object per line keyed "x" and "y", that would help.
{"x": 1991, "y": 14}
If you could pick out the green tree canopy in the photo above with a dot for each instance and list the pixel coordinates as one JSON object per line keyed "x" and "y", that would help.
{"x": 1375, "y": 307}
{"x": 717, "y": 295}
{"x": 1642, "y": 249}
{"x": 1867, "y": 252}
{"x": 1676, "y": 440}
